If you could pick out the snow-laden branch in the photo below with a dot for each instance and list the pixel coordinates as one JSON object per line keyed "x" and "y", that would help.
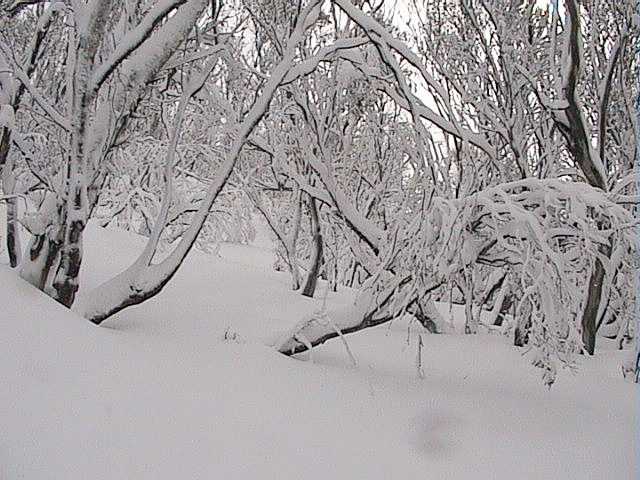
{"x": 381, "y": 37}
{"x": 140, "y": 68}
{"x": 139, "y": 282}
{"x": 364, "y": 227}
{"x": 18, "y": 5}
{"x": 325, "y": 54}
{"x": 133, "y": 39}
{"x": 605, "y": 90}
{"x": 38, "y": 98}
{"x": 376, "y": 32}
{"x": 439, "y": 121}
{"x": 538, "y": 227}
{"x": 194, "y": 85}
{"x": 315, "y": 330}
{"x": 143, "y": 62}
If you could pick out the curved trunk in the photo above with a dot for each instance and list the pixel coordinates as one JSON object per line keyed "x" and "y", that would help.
{"x": 367, "y": 313}
{"x": 523, "y": 324}
{"x": 505, "y": 300}
{"x": 521, "y": 335}
{"x": 143, "y": 279}
{"x": 575, "y": 130}
{"x": 315, "y": 331}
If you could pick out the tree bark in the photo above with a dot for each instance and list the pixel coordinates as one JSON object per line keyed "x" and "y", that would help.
{"x": 310, "y": 333}
{"x": 8, "y": 185}
{"x": 505, "y": 306}
{"x": 292, "y": 243}
{"x": 592, "y": 307}
{"x": 471, "y": 321}
{"x": 316, "y": 260}
{"x": 13, "y": 233}
{"x": 66, "y": 281}
{"x": 42, "y": 256}
{"x": 521, "y": 336}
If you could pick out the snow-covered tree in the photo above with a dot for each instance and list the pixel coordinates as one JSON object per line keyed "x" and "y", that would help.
{"x": 482, "y": 153}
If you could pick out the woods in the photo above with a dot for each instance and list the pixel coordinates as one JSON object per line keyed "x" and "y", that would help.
{"x": 459, "y": 151}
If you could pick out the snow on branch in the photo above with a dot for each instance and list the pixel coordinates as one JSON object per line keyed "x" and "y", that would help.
{"x": 325, "y": 54}
{"x": 49, "y": 109}
{"x": 133, "y": 39}
{"x": 154, "y": 50}
{"x": 546, "y": 231}
{"x": 140, "y": 282}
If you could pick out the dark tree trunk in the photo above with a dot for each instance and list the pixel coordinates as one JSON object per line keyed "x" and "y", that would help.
{"x": 43, "y": 256}
{"x": 590, "y": 314}
{"x": 300, "y": 341}
{"x": 354, "y": 273}
{"x": 507, "y": 302}
{"x": 521, "y": 337}
{"x": 13, "y": 234}
{"x": 521, "y": 334}
{"x": 576, "y": 133}
{"x": 373, "y": 318}
{"x": 66, "y": 279}
{"x": 316, "y": 259}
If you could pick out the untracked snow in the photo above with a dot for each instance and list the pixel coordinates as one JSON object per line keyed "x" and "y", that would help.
{"x": 184, "y": 387}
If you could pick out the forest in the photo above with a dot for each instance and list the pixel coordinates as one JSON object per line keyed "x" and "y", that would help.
{"x": 429, "y": 159}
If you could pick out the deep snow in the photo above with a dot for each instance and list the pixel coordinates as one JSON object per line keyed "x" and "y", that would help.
{"x": 159, "y": 393}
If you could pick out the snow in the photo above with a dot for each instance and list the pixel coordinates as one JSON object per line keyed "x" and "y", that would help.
{"x": 158, "y": 392}
{"x": 7, "y": 117}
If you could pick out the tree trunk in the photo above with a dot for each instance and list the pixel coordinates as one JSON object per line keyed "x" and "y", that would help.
{"x": 292, "y": 242}
{"x": 471, "y": 321}
{"x": 495, "y": 315}
{"x": 592, "y": 307}
{"x": 521, "y": 334}
{"x": 66, "y": 279}
{"x": 295, "y": 273}
{"x": 13, "y": 233}
{"x": 8, "y": 186}
{"x": 576, "y": 133}
{"x": 365, "y": 314}
{"x": 316, "y": 259}
{"x": 313, "y": 332}
{"x": 507, "y": 303}
{"x": 42, "y": 256}
{"x": 42, "y": 252}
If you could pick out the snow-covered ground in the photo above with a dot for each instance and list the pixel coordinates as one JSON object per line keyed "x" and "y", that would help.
{"x": 183, "y": 387}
